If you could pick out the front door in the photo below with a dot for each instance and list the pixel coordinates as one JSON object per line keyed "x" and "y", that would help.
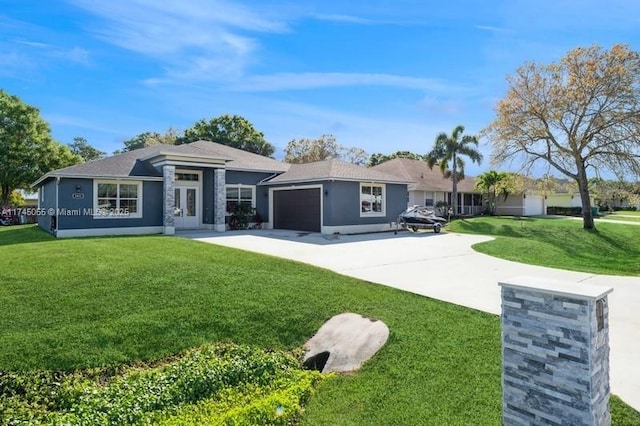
{"x": 187, "y": 207}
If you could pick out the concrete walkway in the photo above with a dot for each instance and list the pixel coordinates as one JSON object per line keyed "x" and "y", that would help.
{"x": 445, "y": 267}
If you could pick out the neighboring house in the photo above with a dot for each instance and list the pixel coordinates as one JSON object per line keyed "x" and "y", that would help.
{"x": 521, "y": 204}
{"x": 535, "y": 204}
{"x": 428, "y": 186}
{"x": 162, "y": 188}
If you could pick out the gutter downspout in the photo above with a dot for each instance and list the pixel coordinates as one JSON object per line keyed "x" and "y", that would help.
{"x": 55, "y": 214}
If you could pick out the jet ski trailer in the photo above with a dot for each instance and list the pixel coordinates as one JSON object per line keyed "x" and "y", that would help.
{"x": 420, "y": 217}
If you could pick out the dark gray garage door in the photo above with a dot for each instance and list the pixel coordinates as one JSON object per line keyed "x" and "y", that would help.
{"x": 297, "y": 209}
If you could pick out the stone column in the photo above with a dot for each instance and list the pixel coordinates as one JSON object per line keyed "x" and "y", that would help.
{"x": 220, "y": 199}
{"x": 555, "y": 353}
{"x": 168, "y": 184}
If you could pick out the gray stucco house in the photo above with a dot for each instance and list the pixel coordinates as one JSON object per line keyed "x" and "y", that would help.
{"x": 162, "y": 188}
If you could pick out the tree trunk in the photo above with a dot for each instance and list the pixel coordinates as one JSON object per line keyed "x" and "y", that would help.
{"x": 492, "y": 205}
{"x": 6, "y": 193}
{"x": 454, "y": 189}
{"x": 583, "y": 187}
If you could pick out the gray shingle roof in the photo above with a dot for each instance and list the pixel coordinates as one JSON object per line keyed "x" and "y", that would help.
{"x": 121, "y": 165}
{"x": 333, "y": 170}
{"x": 135, "y": 163}
{"x": 242, "y": 160}
{"x": 422, "y": 177}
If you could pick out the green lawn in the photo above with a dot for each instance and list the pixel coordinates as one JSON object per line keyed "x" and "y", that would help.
{"x": 107, "y": 301}
{"x": 612, "y": 249}
{"x": 630, "y": 216}
{"x": 626, "y": 213}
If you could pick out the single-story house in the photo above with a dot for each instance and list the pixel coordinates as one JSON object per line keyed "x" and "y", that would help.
{"x": 162, "y": 188}
{"x": 429, "y": 186}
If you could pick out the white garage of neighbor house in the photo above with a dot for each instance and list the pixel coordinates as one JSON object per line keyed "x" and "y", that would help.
{"x": 533, "y": 204}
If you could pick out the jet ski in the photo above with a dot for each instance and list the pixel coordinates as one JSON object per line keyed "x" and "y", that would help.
{"x": 420, "y": 217}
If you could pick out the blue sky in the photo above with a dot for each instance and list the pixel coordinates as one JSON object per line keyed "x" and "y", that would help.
{"x": 379, "y": 75}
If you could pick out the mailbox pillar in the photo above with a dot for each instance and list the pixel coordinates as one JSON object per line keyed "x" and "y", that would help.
{"x": 555, "y": 352}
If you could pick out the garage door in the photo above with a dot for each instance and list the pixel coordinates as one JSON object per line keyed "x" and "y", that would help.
{"x": 534, "y": 205}
{"x": 297, "y": 209}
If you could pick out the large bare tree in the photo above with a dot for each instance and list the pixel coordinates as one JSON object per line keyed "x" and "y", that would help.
{"x": 580, "y": 115}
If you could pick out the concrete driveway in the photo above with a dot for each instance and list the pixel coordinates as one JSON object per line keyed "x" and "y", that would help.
{"x": 445, "y": 267}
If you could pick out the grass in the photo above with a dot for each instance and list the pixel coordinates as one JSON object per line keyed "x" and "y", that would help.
{"x": 612, "y": 249}
{"x": 108, "y": 301}
{"x": 105, "y": 301}
{"x": 629, "y": 216}
{"x": 626, "y": 213}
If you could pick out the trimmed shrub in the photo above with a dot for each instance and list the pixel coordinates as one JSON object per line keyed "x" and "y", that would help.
{"x": 564, "y": 211}
{"x": 212, "y": 379}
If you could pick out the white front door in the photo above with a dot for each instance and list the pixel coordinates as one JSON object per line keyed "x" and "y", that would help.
{"x": 187, "y": 207}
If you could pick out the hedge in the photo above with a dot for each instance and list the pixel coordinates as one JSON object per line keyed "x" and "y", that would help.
{"x": 225, "y": 383}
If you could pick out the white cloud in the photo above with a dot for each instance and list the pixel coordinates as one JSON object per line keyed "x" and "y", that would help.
{"x": 303, "y": 81}
{"x": 191, "y": 40}
{"x": 35, "y": 53}
{"x": 492, "y": 29}
{"x": 347, "y": 19}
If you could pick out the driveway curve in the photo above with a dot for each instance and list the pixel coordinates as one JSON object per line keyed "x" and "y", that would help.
{"x": 445, "y": 267}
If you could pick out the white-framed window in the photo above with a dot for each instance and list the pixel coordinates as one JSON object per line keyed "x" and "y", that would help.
{"x": 372, "y": 199}
{"x": 41, "y": 193}
{"x": 240, "y": 194}
{"x": 117, "y": 199}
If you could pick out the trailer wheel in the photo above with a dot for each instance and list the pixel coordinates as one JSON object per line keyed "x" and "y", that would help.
{"x": 437, "y": 228}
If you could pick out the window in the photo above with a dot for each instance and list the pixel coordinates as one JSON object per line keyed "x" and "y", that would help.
{"x": 188, "y": 177}
{"x": 240, "y": 194}
{"x": 117, "y": 199}
{"x": 428, "y": 202}
{"x": 372, "y": 199}
{"x": 42, "y": 194}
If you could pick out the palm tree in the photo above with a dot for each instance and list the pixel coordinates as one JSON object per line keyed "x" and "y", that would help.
{"x": 488, "y": 182}
{"x": 448, "y": 151}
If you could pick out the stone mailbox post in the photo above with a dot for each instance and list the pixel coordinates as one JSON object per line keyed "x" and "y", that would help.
{"x": 555, "y": 353}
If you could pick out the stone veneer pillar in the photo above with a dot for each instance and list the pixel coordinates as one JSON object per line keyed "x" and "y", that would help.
{"x": 555, "y": 353}
{"x": 220, "y": 199}
{"x": 168, "y": 184}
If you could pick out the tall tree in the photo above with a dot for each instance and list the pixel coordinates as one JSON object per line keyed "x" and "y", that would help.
{"x": 27, "y": 150}
{"x": 323, "y": 148}
{"x": 81, "y": 147}
{"x": 608, "y": 193}
{"x": 309, "y": 150}
{"x": 379, "y": 158}
{"x": 580, "y": 113}
{"x": 487, "y": 183}
{"x": 231, "y": 130}
{"x": 146, "y": 139}
{"x": 448, "y": 152}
